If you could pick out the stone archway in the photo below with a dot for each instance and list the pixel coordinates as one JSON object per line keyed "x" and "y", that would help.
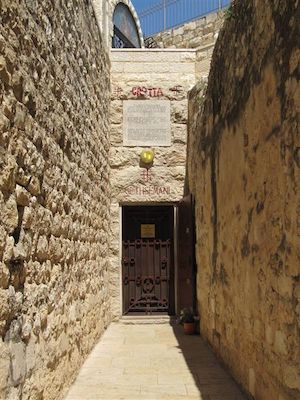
{"x": 134, "y": 15}
{"x": 104, "y": 10}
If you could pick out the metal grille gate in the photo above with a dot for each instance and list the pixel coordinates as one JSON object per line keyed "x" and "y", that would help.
{"x": 146, "y": 275}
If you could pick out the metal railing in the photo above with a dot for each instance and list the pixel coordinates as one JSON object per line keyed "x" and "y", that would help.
{"x": 167, "y": 14}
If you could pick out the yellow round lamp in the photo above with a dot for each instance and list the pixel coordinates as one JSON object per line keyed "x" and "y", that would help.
{"x": 147, "y": 157}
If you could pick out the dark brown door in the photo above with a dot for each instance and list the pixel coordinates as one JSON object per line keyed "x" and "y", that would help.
{"x": 186, "y": 254}
{"x": 147, "y": 260}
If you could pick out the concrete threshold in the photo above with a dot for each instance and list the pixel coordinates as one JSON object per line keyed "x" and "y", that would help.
{"x": 155, "y": 50}
{"x": 147, "y": 319}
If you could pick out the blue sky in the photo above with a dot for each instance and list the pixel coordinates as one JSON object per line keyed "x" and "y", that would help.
{"x": 178, "y": 12}
{"x": 140, "y": 5}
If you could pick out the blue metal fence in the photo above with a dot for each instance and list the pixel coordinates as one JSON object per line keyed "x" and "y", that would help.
{"x": 167, "y": 14}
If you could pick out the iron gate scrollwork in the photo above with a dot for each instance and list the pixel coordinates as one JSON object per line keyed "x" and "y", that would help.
{"x": 146, "y": 275}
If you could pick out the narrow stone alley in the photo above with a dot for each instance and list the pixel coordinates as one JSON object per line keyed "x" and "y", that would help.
{"x": 152, "y": 361}
{"x": 149, "y": 173}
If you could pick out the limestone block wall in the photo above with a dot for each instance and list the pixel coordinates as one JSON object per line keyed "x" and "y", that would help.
{"x": 200, "y": 32}
{"x": 54, "y": 194}
{"x": 200, "y": 35}
{"x": 243, "y": 167}
{"x": 203, "y": 60}
{"x": 144, "y": 75}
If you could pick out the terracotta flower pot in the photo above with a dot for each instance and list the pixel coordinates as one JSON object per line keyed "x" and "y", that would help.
{"x": 189, "y": 328}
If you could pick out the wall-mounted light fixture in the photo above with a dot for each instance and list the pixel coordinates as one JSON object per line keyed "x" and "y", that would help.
{"x": 147, "y": 158}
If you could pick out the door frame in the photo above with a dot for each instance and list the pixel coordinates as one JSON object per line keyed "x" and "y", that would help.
{"x": 173, "y": 204}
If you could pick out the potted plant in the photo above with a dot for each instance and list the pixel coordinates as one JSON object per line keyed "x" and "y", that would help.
{"x": 187, "y": 319}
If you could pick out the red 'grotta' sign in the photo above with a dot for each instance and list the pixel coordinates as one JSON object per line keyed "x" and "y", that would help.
{"x": 142, "y": 91}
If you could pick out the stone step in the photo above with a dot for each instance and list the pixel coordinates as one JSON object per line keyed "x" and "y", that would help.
{"x": 147, "y": 319}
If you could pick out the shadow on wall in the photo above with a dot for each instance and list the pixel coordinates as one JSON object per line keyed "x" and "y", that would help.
{"x": 212, "y": 381}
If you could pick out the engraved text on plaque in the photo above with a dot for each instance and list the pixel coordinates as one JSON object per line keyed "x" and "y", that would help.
{"x": 146, "y": 123}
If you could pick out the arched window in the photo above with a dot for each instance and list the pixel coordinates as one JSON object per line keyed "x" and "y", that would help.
{"x": 125, "y": 29}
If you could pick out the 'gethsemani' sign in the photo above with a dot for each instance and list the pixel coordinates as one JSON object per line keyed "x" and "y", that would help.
{"x": 147, "y": 190}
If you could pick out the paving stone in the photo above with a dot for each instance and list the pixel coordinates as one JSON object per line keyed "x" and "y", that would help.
{"x": 155, "y": 370}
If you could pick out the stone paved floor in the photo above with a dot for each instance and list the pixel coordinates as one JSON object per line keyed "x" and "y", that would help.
{"x": 152, "y": 361}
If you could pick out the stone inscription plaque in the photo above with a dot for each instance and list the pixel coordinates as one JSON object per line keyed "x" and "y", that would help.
{"x": 146, "y": 123}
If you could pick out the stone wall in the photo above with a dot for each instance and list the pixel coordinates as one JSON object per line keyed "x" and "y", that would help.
{"x": 200, "y": 35}
{"x": 192, "y": 35}
{"x": 54, "y": 194}
{"x": 144, "y": 75}
{"x": 244, "y": 169}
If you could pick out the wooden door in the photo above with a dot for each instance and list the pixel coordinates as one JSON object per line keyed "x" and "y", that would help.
{"x": 186, "y": 282}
